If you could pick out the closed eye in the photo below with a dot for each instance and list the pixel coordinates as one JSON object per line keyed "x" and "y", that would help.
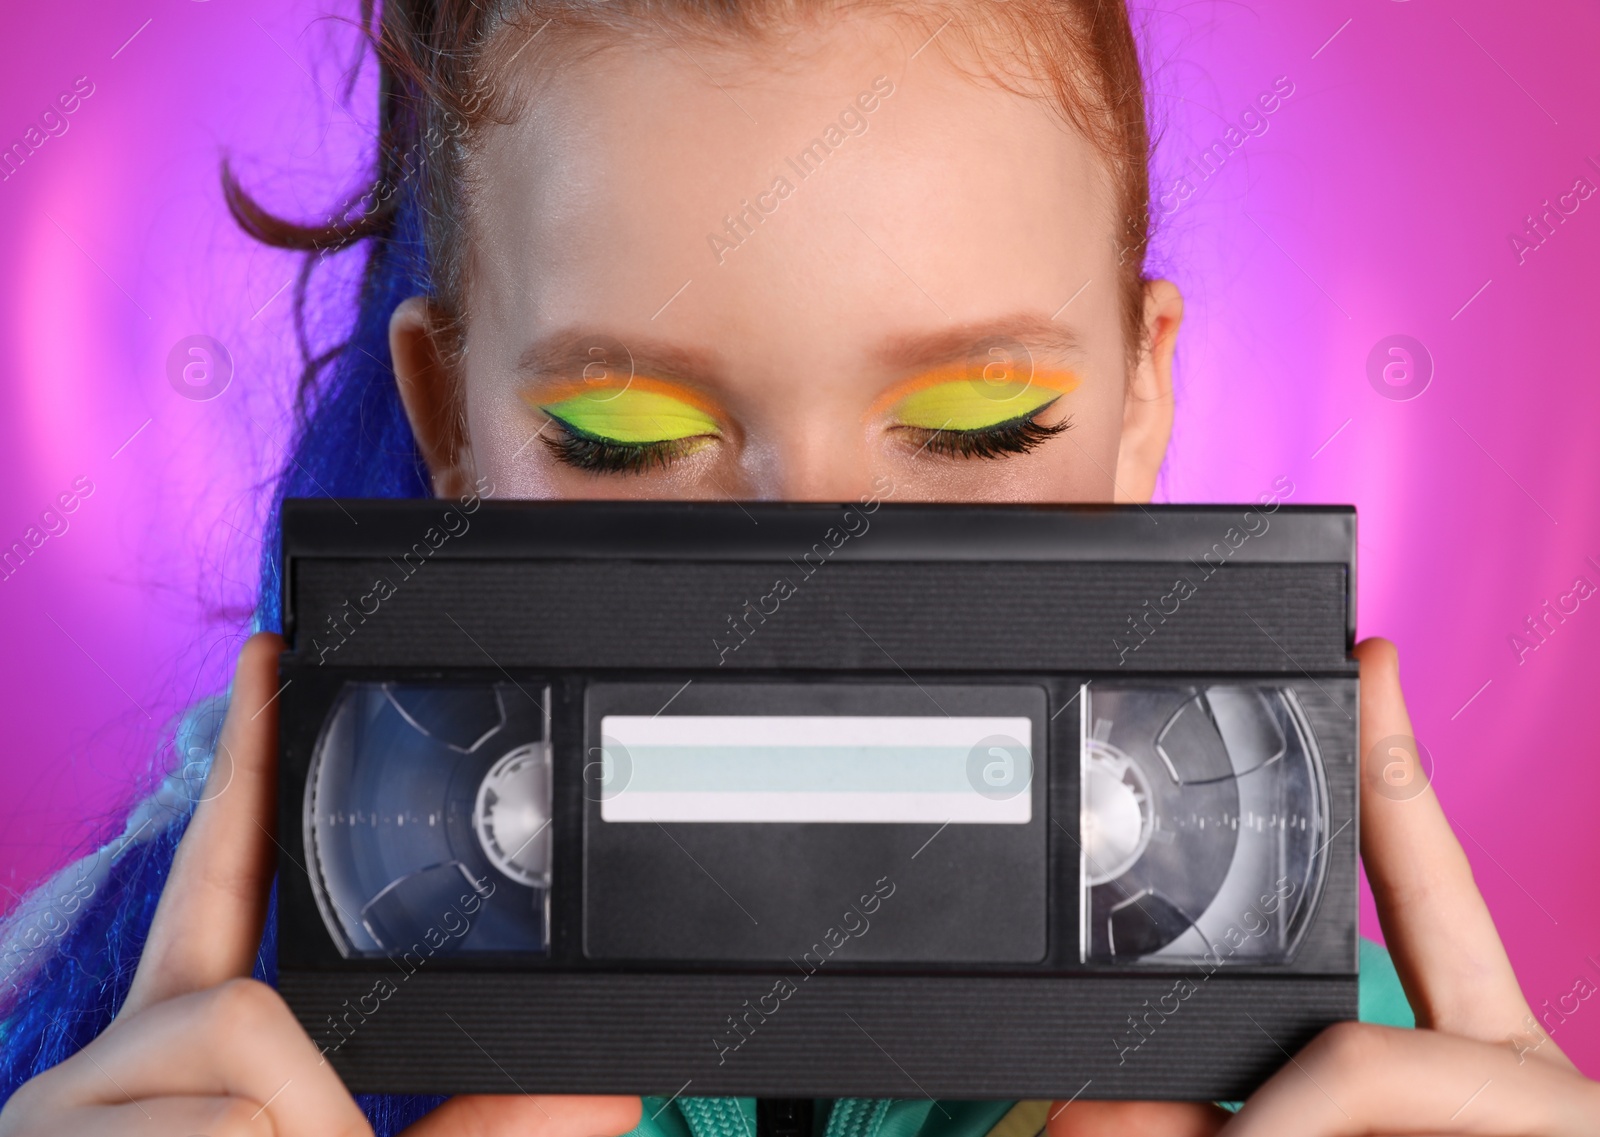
{"x": 957, "y": 412}
{"x": 1001, "y": 440}
{"x": 630, "y": 426}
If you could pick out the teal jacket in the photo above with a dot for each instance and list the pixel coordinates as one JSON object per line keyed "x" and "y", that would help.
{"x": 1382, "y": 1001}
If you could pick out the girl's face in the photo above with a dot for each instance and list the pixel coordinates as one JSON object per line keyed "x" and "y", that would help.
{"x": 786, "y": 272}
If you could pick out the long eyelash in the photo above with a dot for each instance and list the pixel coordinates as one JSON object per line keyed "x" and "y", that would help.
{"x": 1014, "y": 436}
{"x": 599, "y": 455}
{"x": 602, "y": 456}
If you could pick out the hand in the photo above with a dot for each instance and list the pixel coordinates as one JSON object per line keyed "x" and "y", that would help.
{"x": 199, "y": 1046}
{"x": 1478, "y": 1062}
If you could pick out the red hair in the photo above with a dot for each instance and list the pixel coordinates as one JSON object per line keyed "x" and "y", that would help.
{"x": 442, "y": 63}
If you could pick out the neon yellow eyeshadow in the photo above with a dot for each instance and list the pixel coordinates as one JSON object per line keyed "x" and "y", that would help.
{"x": 635, "y": 414}
{"x": 972, "y": 405}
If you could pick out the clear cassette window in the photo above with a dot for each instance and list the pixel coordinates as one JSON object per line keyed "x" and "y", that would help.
{"x": 427, "y": 819}
{"x": 1203, "y": 818}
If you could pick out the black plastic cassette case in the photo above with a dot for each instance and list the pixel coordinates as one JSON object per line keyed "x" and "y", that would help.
{"x": 807, "y": 800}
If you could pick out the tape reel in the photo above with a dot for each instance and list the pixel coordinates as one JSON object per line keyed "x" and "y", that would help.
{"x": 427, "y": 819}
{"x": 1203, "y": 819}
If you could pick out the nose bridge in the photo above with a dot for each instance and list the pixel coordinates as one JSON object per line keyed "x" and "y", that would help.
{"x": 816, "y": 457}
{"x": 816, "y": 475}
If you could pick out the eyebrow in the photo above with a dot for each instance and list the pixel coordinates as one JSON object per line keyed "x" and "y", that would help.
{"x": 921, "y": 350}
{"x": 565, "y": 353}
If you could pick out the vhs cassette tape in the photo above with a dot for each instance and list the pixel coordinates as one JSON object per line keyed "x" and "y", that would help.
{"x": 807, "y": 800}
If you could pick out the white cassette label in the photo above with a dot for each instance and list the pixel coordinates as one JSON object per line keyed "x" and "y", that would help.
{"x": 816, "y": 768}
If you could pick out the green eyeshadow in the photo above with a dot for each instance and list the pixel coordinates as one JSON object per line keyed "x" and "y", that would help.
{"x": 964, "y": 405}
{"x": 632, "y": 416}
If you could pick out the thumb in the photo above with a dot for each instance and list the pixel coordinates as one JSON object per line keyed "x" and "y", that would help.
{"x": 1135, "y": 1119}
{"x": 527, "y": 1115}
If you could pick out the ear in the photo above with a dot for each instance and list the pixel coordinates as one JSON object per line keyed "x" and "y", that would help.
{"x": 1147, "y": 411}
{"x": 427, "y": 391}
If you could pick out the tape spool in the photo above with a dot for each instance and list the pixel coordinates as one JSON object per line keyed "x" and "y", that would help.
{"x": 427, "y": 819}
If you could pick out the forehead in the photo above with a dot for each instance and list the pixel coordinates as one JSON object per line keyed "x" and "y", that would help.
{"x": 795, "y": 191}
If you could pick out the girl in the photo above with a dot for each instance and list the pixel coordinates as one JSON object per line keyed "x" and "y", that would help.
{"x": 734, "y": 249}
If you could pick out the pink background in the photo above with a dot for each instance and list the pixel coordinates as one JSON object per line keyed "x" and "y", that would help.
{"x": 1380, "y": 200}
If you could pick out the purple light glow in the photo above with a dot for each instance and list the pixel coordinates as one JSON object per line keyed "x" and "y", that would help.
{"x": 1379, "y": 199}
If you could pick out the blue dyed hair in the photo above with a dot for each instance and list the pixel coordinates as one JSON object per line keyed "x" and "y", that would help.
{"x": 68, "y": 953}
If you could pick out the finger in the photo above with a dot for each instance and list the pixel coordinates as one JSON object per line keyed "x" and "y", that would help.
{"x": 1449, "y": 956}
{"x": 1134, "y": 1119}
{"x": 167, "y": 1117}
{"x": 1357, "y": 1078}
{"x": 238, "y": 1039}
{"x": 207, "y": 926}
{"x": 506, "y": 1115}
